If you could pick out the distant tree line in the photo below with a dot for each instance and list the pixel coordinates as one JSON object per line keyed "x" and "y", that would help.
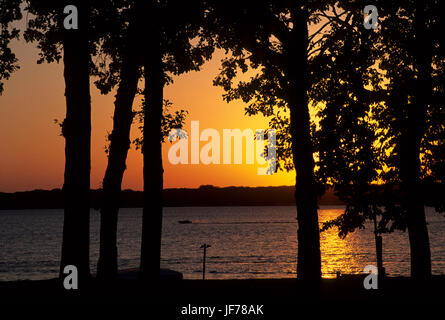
{"x": 174, "y": 197}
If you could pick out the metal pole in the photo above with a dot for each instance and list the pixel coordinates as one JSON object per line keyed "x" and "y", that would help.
{"x": 379, "y": 249}
{"x": 204, "y": 264}
{"x": 204, "y": 246}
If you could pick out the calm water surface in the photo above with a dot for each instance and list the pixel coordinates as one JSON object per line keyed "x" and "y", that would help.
{"x": 246, "y": 242}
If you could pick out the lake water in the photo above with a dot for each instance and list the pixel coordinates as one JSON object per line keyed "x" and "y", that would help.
{"x": 246, "y": 242}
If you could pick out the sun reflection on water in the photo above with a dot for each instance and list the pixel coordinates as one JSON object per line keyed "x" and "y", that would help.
{"x": 340, "y": 255}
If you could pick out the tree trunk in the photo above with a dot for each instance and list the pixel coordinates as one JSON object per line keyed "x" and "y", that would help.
{"x": 152, "y": 151}
{"x": 119, "y": 144}
{"x": 410, "y": 152}
{"x": 77, "y": 133}
{"x": 309, "y": 259}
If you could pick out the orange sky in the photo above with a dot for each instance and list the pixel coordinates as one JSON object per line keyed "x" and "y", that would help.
{"x": 33, "y": 150}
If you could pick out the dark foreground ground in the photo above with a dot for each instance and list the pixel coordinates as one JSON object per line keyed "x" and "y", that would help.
{"x": 128, "y": 286}
{"x": 280, "y": 298}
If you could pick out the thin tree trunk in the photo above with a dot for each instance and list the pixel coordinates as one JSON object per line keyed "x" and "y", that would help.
{"x": 77, "y": 133}
{"x": 119, "y": 144}
{"x": 152, "y": 151}
{"x": 309, "y": 260}
{"x": 410, "y": 152}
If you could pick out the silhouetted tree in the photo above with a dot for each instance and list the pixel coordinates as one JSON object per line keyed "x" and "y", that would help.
{"x": 171, "y": 26}
{"x": 77, "y": 133}
{"x": 369, "y": 91}
{"x": 272, "y": 38}
{"x": 125, "y": 67}
{"x": 152, "y": 147}
{"x": 9, "y": 12}
{"x": 409, "y": 45}
{"x": 344, "y": 88}
{"x": 75, "y": 46}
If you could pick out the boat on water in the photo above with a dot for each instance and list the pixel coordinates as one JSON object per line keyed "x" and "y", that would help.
{"x": 184, "y": 221}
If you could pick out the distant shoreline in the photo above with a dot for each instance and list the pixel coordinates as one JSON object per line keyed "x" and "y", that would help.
{"x": 210, "y": 196}
{"x": 204, "y": 196}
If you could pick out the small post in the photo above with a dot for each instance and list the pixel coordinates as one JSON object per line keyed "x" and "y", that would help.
{"x": 379, "y": 250}
{"x": 379, "y": 246}
{"x": 204, "y": 246}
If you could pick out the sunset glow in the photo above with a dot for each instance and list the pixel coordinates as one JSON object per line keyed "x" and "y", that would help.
{"x": 35, "y": 98}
